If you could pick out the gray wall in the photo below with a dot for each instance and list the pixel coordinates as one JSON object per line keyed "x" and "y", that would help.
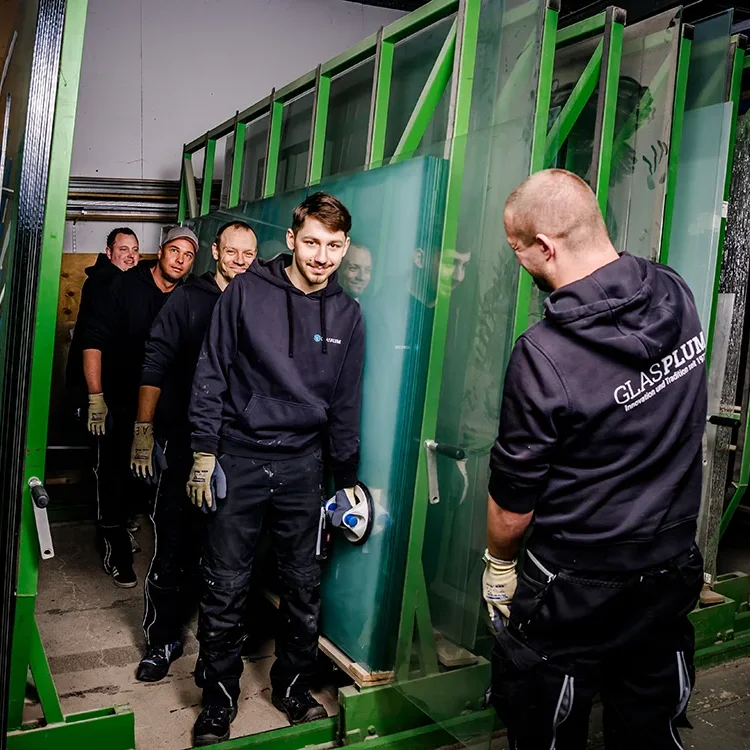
{"x": 158, "y": 73}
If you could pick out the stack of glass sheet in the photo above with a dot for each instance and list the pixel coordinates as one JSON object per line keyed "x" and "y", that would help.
{"x": 397, "y": 215}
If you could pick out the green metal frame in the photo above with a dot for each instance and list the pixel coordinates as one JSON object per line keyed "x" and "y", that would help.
{"x": 111, "y": 728}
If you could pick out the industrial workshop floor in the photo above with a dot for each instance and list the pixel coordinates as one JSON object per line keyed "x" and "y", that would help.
{"x": 92, "y": 633}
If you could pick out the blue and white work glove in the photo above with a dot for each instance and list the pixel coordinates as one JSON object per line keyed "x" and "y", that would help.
{"x": 499, "y": 583}
{"x": 207, "y": 483}
{"x": 147, "y": 459}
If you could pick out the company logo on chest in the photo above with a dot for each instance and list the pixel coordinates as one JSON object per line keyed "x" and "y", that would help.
{"x": 319, "y": 340}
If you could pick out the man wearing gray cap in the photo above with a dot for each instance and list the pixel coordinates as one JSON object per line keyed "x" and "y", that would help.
{"x": 113, "y": 350}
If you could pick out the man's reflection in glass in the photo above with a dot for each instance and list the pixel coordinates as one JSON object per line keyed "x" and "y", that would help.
{"x": 356, "y": 270}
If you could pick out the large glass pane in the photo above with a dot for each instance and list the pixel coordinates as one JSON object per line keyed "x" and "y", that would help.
{"x": 348, "y": 119}
{"x": 296, "y": 125}
{"x": 642, "y": 135}
{"x": 254, "y": 161}
{"x": 413, "y": 60}
{"x": 709, "y": 61}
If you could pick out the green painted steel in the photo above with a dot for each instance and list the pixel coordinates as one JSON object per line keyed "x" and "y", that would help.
{"x": 44, "y": 345}
{"x": 538, "y": 148}
{"x": 420, "y": 19}
{"x": 318, "y": 134}
{"x": 463, "y": 77}
{"x": 317, "y": 735}
{"x": 428, "y": 99}
{"x": 110, "y": 729}
{"x": 209, "y": 157}
{"x": 182, "y": 206}
{"x": 586, "y": 28}
{"x": 43, "y": 681}
{"x": 238, "y": 158}
{"x": 608, "y": 84}
{"x": 678, "y": 115}
{"x": 272, "y": 153}
{"x": 580, "y": 95}
{"x": 379, "y": 109}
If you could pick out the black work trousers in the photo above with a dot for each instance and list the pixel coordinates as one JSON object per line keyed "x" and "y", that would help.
{"x": 173, "y": 584}
{"x": 289, "y": 494}
{"x": 115, "y": 490}
{"x": 572, "y": 635}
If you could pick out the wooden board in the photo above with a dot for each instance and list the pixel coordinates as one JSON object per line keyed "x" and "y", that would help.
{"x": 361, "y": 676}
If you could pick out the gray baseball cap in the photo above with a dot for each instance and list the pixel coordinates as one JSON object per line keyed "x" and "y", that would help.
{"x": 182, "y": 233}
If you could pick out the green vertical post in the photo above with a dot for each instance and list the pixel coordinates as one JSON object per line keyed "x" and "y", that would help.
{"x": 182, "y": 204}
{"x": 317, "y": 150}
{"x": 238, "y": 159}
{"x": 734, "y": 86}
{"x": 274, "y": 143}
{"x": 538, "y": 146}
{"x": 44, "y": 346}
{"x": 379, "y": 104}
{"x": 678, "y": 116}
{"x": 209, "y": 156}
{"x": 601, "y": 165}
{"x": 458, "y": 127}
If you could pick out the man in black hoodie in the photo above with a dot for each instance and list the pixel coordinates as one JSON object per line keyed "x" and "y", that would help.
{"x": 113, "y": 344}
{"x": 277, "y": 392}
{"x": 171, "y": 356}
{"x": 121, "y": 254}
{"x": 600, "y": 447}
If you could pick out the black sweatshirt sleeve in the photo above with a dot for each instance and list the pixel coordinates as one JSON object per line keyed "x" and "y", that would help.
{"x": 210, "y": 381}
{"x": 102, "y": 320}
{"x": 534, "y": 401}
{"x": 165, "y": 339}
{"x": 344, "y": 413}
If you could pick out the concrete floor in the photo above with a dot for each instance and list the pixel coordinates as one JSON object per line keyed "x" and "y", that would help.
{"x": 92, "y": 632}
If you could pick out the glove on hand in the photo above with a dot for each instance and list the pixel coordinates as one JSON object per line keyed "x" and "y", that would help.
{"x": 499, "y": 585}
{"x": 338, "y": 506}
{"x": 147, "y": 459}
{"x": 207, "y": 483}
{"x": 97, "y": 414}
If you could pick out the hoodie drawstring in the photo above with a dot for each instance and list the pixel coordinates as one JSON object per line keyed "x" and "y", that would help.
{"x": 323, "y": 331}
{"x": 290, "y": 319}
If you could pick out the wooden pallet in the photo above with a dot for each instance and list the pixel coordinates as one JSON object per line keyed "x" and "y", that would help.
{"x": 362, "y": 677}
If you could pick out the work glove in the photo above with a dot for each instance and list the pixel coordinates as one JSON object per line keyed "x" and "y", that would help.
{"x": 147, "y": 459}
{"x": 499, "y": 583}
{"x": 207, "y": 483}
{"x": 338, "y": 506}
{"x": 97, "y": 414}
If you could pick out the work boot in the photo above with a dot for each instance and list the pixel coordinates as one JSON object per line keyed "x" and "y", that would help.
{"x": 212, "y": 725}
{"x": 709, "y": 597}
{"x": 299, "y": 708}
{"x": 154, "y": 665}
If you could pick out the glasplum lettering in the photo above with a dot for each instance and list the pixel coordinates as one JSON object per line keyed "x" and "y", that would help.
{"x": 659, "y": 375}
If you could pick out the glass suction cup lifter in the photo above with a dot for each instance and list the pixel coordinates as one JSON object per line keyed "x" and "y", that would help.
{"x": 449, "y": 451}
{"x": 353, "y": 513}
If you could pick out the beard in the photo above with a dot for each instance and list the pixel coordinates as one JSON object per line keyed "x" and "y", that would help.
{"x": 542, "y": 284}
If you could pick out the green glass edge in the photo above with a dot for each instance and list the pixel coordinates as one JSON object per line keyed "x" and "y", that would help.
{"x": 320, "y": 123}
{"x": 272, "y": 152}
{"x": 209, "y": 158}
{"x": 582, "y": 29}
{"x": 383, "y": 76}
{"x": 238, "y": 157}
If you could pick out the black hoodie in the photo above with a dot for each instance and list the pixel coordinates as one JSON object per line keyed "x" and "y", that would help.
{"x": 173, "y": 347}
{"x": 100, "y": 276}
{"x": 119, "y": 327}
{"x": 278, "y": 370}
{"x": 602, "y": 421}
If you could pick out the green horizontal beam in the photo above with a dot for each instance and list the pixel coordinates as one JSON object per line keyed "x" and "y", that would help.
{"x": 428, "y": 100}
{"x": 586, "y": 28}
{"x": 351, "y": 57}
{"x": 577, "y": 100}
{"x": 113, "y": 729}
{"x": 419, "y": 19}
{"x": 294, "y": 89}
{"x": 253, "y": 112}
{"x": 317, "y": 734}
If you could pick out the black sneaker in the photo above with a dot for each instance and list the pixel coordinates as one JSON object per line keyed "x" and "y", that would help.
{"x": 125, "y": 578}
{"x": 212, "y": 725}
{"x": 154, "y": 665}
{"x": 299, "y": 708}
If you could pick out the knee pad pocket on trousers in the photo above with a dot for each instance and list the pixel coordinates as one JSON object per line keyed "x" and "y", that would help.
{"x": 225, "y": 581}
{"x": 297, "y": 577}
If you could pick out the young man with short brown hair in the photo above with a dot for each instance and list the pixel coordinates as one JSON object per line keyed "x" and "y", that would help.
{"x": 276, "y": 395}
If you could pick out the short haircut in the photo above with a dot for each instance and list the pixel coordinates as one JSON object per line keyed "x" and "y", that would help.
{"x": 329, "y": 211}
{"x": 112, "y": 236}
{"x": 233, "y": 225}
{"x": 559, "y": 204}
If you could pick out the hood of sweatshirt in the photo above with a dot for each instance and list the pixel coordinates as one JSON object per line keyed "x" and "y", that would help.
{"x": 205, "y": 282}
{"x": 103, "y": 267}
{"x": 629, "y": 308}
{"x": 274, "y": 272}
